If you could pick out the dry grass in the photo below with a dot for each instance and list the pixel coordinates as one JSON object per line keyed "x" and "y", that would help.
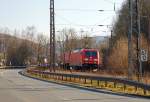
{"x": 119, "y": 55}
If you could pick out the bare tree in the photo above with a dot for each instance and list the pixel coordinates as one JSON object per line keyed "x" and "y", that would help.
{"x": 17, "y": 50}
{"x": 41, "y": 48}
{"x": 87, "y": 42}
{"x": 29, "y": 35}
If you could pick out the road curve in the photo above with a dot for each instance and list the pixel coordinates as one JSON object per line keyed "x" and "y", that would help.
{"x": 17, "y": 88}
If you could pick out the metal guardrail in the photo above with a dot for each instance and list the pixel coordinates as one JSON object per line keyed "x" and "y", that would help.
{"x": 18, "y": 67}
{"x": 93, "y": 79}
{"x": 12, "y": 67}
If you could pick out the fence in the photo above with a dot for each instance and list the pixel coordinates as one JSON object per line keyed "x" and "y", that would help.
{"x": 12, "y": 67}
{"x": 110, "y": 83}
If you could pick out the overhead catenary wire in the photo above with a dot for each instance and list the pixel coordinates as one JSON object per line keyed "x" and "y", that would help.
{"x": 75, "y": 10}
{"x": 84, "y": 10}
{"x": 91, "y": 27}
{"x": 68, "y": 22}
{"x": 112, "y": 2}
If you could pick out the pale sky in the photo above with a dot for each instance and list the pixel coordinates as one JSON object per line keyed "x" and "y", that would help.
{"x": 78, "y": 14}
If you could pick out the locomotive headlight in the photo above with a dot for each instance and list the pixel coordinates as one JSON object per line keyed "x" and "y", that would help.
{"x": 95, "y": 59}
{"x": 86, "y": 59}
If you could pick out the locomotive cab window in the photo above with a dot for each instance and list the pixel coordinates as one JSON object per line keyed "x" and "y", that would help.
{"x": 91, "y": 53}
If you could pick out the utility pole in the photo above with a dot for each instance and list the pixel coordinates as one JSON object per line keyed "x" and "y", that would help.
{"x": 111, "y": 39}
{"x": 139, "y": 39}
{"x": 137, "y": 29}
{"x": 136, "y": 32}
{"x": 130, "y": 62}
{"x": 52, "y": 36}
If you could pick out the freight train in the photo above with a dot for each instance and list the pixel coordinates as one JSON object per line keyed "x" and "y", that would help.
{"x": 81, "y": 58}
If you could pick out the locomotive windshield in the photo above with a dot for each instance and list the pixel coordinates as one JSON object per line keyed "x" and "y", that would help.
{"x": 91, "y": 53}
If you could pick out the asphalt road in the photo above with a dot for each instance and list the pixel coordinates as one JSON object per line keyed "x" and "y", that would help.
{"x": 17, "y": 88}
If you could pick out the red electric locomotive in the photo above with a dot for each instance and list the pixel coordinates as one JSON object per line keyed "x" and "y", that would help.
{"x": 80, "y": 58}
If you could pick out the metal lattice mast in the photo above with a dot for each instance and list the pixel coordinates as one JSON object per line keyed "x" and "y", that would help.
{"x": 52, "y": 36}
